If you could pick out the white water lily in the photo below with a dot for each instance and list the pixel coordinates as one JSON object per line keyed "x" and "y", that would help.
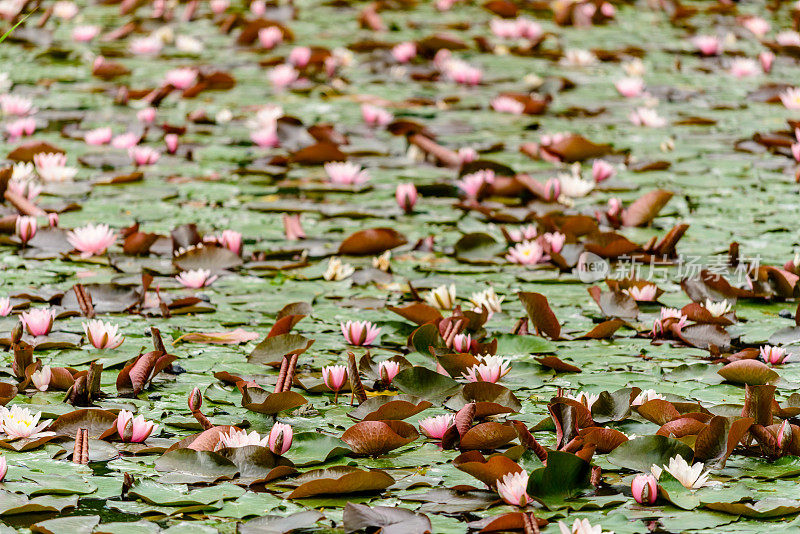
{"x": 718, "y": 308}
{"x": 383, "y": 262}
{"x": 442, "y": 297}
{"x": 587, "y": 399}
{"x": 691, "y": 477}
{"x": 337, "y": 270}
{"x": 488, "y": 299}
{"x": 574, "y": 186}
{"x": 581, "y": 526}
{"x": 21, "y": 423}
{"x": 646, "y": 395}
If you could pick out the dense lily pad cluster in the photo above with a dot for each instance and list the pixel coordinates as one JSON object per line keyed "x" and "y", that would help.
{"x": 399, "y": 266}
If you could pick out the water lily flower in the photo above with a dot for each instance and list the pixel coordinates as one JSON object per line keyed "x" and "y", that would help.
{"x": 188, "y": 44}
{"x": 125, "y": 141}
{"x": 581, "y": 526}
{"x": 337, "y": 270}
{"x": 630, "y": 87}
{"x": 462, "y": 72}
{"x": 232, "y": 240}
{"x": 467, "y": 154}
{"x": 98, "y": 136}
{"x": 491, "y": 369}
{"x": 442, "y": 297}
{"x": 772, "y": 355}
{"x": 788, "y": 38}
{"x": 16, "y": 105}
{"x": 266, "y": 137}
{"x": 436, "y": 426}
{"x": 38, "y": 321}
{"x": 505, "y": 29}
{"x": 578, "y": 58}
{"x": 708, "y": 45}
{"x": 346, "y": 173}
{"x": 85, "y": 33}
{"x": 375, "y": 116}
{"x": 406, "y": 196}
{"x": 270, "y": 37}
{"x": 280, "y": 438}
{"x": 19, "y": 422}
{"x": 143, "y": 155}
{"x": 147, "y": 115}
{"x": 196, "y": 278}
{"x": 299, "y": 56}
{"x": 647, "y": 117}
{"x": 21, "y": 127}
{"x": 387, "y": 370}
{"x": 554, "y": 241}
{"x": 181, "y": 78}
{"x": 240, "y": 438}
{"x": 766, "y": 59}
{"x": 64, "y": 9}
{"x": 744, "y": 67}
{"x": 404, "y": 52}
{"x": 258, "y": 7}
{"x": 383, "y": 262}
{"x": 487, "y": 299}
{"x": 102, "y": 335}
{"x": 462, "y": 343}
{"x": 717, "y": 309}
{"x": 587, "y": 399}
{"x": 506, "y": 104}
{"x": 283, "y": 76}
{"x": 52, "y": 167}
{"x": 524, "y": 233}
{"x": 645, "y": 489}
{"x": 26, "y": 227}
{"x": 3, "y": 468}
{"x": 552, "y": 190}
{"x": 756, "y": 25}
{"x": 671, "y": 316}
{"x": 526, "y": 253}
{"x": 41, "y": 378}
{"x": 218, "y": 6}
{"x": 335, "y": 377}
{"x": 645, "y": 293}
{"x": 513, "y": 489}
{"x": 146, "y": 46}
{"x": 790, "y": 98}
{"x": 171, "y": 141}
{"x": 92, "y": 239}
{"x": 25, "y": 187}
{"x": 646, "y": 395}
{"x": 573, "y": 186}
{"x": 691, "y": 477}
{"x": 360, "y": 333}
{"x": 5, "y": 306}
{"x": 472, "y": 183}
{"x": 602, "y": 170}
{"x": 134, "y": 429}
{"x": 634, "y": 68}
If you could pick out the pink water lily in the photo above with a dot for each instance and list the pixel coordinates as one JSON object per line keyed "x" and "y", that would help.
{"x": 387, "y": 370}
{"x": 744, "y": 67}
{"x": 435, "y": 427}
{"x": 16, "y": 105}
{"x": 766, "y": 59}
{"x": 523, "y": 233}
{"x": 102, "y": 335}
{"x": 491, "y": 369}
{"x": 554, "y": 241}
{"x": 513, "y": 489}
{"x": 506, "y": 104}
{"x": 629, "y": 87}
{"x": 602, "y": 170}
{"x": 292, "y": 227}
{"x": 218, "y": 7}
{"x": 471, "y": 184}
{"x": 708, "y": 45}
{"x": 125, "y": 141}
{"x": 52, "y": 167}
{"x": 467, "y": 154}
{"x": 26, "y": 227}
{"x": 146, "y": 46}
{"x": 280, "y": 438}
{"x": 266, "y": 137}
{"x": 647, "y": 117}
{"x": 196, "y": 278}
{"x": 645, "y": 293}
{"x": 92, "y": 239}
{"x": 5, "y": 306}
{"x": 375, "y": 116}
{"x": 404, "y": 52}
{"x": 232, "y": 240}
{"x": 181, "y": 78}
{"x": 335, "y": 377}
{"x": 346, "y": 173}
{"x": 19, "y": 422}
{"x": 463, "y": 343}
{"x": 772, "y": 355}
{"x": 143, "y": 155}
{"x": 98, "y": 136}
{"x": 645, "y": 489}
{"x": 526, "y": 253}
{"x": 3, "y": 468}
{"x": 21, "y": 127}
{"x": 240, "y": 438}
{"x": 38, "y": 321}
{"x": 41, "y": 378}
{"x": 756, "y": 25}
{"x": 283, "y": 76}
{"x": 134, "y": 429}
{"x": 147, "y": 115}
{"x": 85, "y": 33}
{"x": 360, "y": 333}
{"x": 406, "y": 196}
{"x": 270, "y": 37}
{"x": 299, "y": 56}
{"x": 790, "y": 98}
